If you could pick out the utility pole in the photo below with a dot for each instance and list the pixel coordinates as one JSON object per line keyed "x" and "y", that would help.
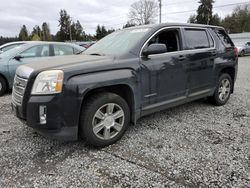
{"x": 70, "y": 33}
{"x": 160, "y": 5}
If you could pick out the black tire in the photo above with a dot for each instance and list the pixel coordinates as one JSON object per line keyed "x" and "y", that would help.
{"x": 88, "y": 117}
{"x": 216, "y": 99}
{"x": 3, "y": 86}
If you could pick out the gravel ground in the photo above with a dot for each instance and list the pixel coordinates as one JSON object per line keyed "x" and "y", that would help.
{"x": 193, "y": 145}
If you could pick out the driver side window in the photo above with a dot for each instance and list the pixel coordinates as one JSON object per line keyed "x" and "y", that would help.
{"x": 36, "y": 51}
{"x": 168, "y": 37}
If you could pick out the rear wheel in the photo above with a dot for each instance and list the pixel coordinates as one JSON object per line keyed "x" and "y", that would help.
{"x": 3, "y": 86}
{"x": 223, "y": 90}
{"x": 242, "y": 53}
{"x": 104, "y": 119}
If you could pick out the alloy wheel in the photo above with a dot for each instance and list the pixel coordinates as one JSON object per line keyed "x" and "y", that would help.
{"x": 224, "y": 89}
{"x": 108, "y": 121}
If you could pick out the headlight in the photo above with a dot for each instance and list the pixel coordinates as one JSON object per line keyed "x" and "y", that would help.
{"x": 48, "y": 82}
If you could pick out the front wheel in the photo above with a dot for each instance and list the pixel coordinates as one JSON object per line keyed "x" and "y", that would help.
{"x": 104, "y": 119}
{"x": 223, "y": 90}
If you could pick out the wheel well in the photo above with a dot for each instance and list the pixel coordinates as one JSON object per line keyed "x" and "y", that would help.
{"x": 6, "y": 81}
{"x": 231, "y": 72}
{"x": 122, "y": 90}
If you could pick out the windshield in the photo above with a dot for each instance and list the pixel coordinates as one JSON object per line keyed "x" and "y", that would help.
{"x": 117, "y": 43}
{"x": 11, "y": 52}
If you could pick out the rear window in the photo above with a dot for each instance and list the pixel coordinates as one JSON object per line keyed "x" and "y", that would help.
{"x": 197, "y": 39}
{"x": 224, "y": 38}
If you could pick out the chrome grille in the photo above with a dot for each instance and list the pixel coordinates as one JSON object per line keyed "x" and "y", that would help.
{"x": 19, "y": 86}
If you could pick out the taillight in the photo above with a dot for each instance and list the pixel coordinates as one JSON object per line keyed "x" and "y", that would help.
{"x": 236, "y": 52}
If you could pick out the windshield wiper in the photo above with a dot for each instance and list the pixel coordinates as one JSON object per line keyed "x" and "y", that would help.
{"x": 80, "y": 52}
{"x": 96, "y": 54}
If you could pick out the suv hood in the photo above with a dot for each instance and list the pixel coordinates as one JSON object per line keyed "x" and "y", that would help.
{"x": 75, "y": 63}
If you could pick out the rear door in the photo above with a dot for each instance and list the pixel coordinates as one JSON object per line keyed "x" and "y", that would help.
{"x": 200, "y": 59}
{"x": 61, "y": 50}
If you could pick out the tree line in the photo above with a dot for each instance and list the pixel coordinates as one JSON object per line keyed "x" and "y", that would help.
{"x": 236, "y": 22}
{"x": 141, "y": 12}
{"x": 68, "y": 31}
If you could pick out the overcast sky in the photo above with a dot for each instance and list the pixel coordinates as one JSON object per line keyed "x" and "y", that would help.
{"x": 111, "y": 13}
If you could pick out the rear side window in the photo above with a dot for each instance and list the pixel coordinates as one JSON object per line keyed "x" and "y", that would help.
{"x": 224, "y": 38}
{"x": 4, "y": 49}
{"x": 197, "y": 39}
{"x": 63, "y": 50}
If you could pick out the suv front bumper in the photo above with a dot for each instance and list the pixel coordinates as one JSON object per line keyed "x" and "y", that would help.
{"x": 57, "y": 125}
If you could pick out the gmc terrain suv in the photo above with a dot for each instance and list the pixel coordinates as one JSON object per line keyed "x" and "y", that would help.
{"x": 126, "y": 75}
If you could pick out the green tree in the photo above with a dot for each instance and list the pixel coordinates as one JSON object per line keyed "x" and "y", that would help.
{"x": 36, "y": 31}
{"x": 98, "y": 32}
{"x": 79, "y": 31}
{"x": 35, "y": 37}
{"x": 101, "y": 32}
{"x": 238, "y": 21}
{"x": 205, "y": 12}
{"x": 216, "y": 20}
{"x": 192, "y": 19}
{"x": 46, "y": 36}
{"x": 65, "y": 26}
{"x": 23, "y": 35}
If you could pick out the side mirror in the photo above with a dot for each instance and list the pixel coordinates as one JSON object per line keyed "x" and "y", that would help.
{"x": 18, "y": 57}
{"x": 155, "y": 49}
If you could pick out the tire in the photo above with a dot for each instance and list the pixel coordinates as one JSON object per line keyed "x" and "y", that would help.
{"x": 3, "y": 86}
{"x": 223, "y": 90}
{"x": 242, "y": 53}
{"x": 97, "y": 126}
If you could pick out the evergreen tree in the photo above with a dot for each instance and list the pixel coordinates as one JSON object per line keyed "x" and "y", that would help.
{"x": 36, "y": 31}
{"x": 46, "y": 36}
{"x": 205, "y": 12}
{"x": 101, "y": 32}
{"x": 65, "y": 24}
{"x": 23, "y": 35}
{"x": 98, "y": 32}
{"x": 192, "y": 19}
{"x": 35, "y": 37}
{"x": 238, "y": 21}
{"x": 79, "y": 31}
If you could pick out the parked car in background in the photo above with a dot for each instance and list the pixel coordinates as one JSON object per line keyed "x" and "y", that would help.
{"x": 28, "y": 53}
{"x": 128, "y": 74}
{"x": 243, "y": 48}
{"x": 10, "y": 45}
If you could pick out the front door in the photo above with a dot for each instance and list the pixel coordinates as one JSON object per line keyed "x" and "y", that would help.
{"x": 167, "y": 77}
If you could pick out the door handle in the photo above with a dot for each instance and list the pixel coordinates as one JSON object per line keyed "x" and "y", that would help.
{"x": 182, "y": 58}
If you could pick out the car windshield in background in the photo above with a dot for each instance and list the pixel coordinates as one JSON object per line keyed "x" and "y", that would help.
{"x": 117, "y": 43}
{"x": 11, "y": 52}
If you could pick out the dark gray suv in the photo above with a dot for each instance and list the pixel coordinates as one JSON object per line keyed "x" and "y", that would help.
{"x": 126, "y": 75}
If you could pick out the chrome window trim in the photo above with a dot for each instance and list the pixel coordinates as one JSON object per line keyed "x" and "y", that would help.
{"x": 178, "y": 27}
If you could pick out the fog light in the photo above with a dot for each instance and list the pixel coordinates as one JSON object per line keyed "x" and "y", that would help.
{"x": 43, "y": 115}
